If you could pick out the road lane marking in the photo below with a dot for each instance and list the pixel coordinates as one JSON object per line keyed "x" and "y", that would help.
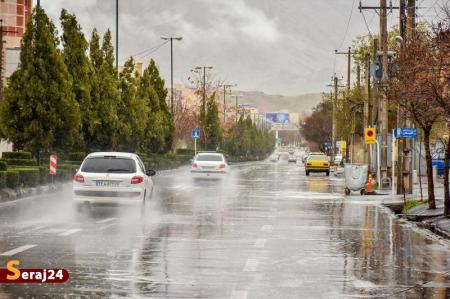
{"x": 239, "y": 295}
{"x": 105, "y": 220}
{"x": 69, "y": 232}
{"x": 251, "y": 265}
{"x": 260, "y": 243}
{"x": 267, "y": 228}
{"x": 17, "y": 250}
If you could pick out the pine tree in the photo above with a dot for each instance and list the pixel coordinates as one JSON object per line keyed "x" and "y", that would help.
{"x": 154, "y": 133}
{"x": 158, "y": 84}
{"x": 212, "y": 125}
{"x": 40, "y": 111}
{"x": 133, "y": 110}
{"x": 105, "y": 96}
{"x": 78, "y": 64}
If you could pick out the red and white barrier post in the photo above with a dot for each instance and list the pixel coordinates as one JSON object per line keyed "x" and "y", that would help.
{"x": 53, "y": 166}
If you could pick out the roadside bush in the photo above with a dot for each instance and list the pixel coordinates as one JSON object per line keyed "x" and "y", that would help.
{"x": 28, "y": 177}
{"x": 20, "y": 162}
{"x": 3, "y": 166}
{"x": 185, "y": 151}
{"x": 76, "y": 156}
{"x": 2, "y": 179}
{"x": 12, "y": 179}
{"x": 17, "y": 155}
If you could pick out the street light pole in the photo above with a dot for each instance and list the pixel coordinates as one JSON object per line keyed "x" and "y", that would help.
{"x": 171, "y": 38}
{"x": 117, "y": 37}
{"x": 225, "y": 86}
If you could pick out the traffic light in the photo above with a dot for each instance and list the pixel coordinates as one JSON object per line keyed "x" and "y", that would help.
{"x": 370, "y": 135}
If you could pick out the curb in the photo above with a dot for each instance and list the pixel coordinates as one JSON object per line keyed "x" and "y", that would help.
{"x": 8, "y": 195}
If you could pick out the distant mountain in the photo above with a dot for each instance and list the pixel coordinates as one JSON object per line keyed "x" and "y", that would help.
{"x": 302, "y": 104}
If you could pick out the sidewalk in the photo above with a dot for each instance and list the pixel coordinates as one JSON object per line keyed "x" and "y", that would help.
{"x": 431, "y": 219}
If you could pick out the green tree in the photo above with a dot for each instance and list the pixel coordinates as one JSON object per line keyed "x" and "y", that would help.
{"x": 78, "y": 64}
{"x": 105, "y": 96}
{"x": 167, "y": 120}
{"x": 132, "y": 110}
{"x": 154, "y": 140}
{"x": 212, "y": 129}
{"x": 40, "y": 111}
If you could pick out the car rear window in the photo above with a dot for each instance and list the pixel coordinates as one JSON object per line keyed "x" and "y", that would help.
{"x": 209, "y": 158}
{"x": 318, "y": 158}
{"x": 109, "y": 165}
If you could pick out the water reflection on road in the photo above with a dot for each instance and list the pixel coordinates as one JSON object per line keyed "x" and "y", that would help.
{"x": 266, "y": 231}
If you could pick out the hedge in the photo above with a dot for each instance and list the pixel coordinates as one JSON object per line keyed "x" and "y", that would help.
{"x": 3, "y": 166}
{"x": 2, "y": 179}
{"x": 20, "y": 162}
{"x": 12, "y": 179}
{"x": 28, "y": 177}
{"x": 185, "y": 151}
{"x": 17, "y": 155}
{"x": 76, "y": 156}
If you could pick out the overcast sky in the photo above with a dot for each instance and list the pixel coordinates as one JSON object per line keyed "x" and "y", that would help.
{"x": 276, "y": 46}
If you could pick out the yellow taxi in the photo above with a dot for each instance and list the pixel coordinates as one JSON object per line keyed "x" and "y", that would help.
{"x": 317, "y": 162}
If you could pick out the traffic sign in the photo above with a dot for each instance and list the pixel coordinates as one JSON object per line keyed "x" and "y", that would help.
{"x": 370, "y": 135}
{"x": 53, "y": 164}
{"x": 196, "y": 133}
{"x": 343, "y": 145}
{"x": 405, "y": 133}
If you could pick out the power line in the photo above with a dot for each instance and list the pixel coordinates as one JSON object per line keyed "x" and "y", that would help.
{"x": 365, "y": 22}
{"x": 149, "y": 51}
{"x": 348, "y": 24}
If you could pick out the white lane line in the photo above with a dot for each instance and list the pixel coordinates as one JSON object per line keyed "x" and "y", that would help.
{"x": 260, "y": 243}
{"x": 239, "y": 295}
{"x": 69, "y": 232}
{"x": 251, "y": 265}
{"x": 267, "y": 228}
{"x": 105, "y": 220}
{"x": 17, "y": 250}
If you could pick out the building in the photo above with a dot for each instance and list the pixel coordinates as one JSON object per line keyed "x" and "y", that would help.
{"x": 14, "y": 15}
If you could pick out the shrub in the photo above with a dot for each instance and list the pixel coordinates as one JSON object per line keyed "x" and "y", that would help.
{"x": 3, "y": 166}
{"x": 44, "y": 175}
{"x": 76, "y": 156}
{"x": 2, "y": 179}
{"x": 20, "y": 162}
{"x": 413, "y": 203}
{"x": 17, "y": 155}
{"x": 28, "y": 177}
{"x": 12, "y": 179}
{"x": 185, "y": 151}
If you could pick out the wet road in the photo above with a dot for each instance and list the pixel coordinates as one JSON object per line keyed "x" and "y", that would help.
{"x": 267, "y": 231}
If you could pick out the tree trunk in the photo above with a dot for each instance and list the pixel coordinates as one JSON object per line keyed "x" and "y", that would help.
{"x": 446, "y": 186}
{"x": 431, "y": 201}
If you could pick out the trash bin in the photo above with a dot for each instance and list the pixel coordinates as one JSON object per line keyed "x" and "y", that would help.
{"x": 355, "y": 177}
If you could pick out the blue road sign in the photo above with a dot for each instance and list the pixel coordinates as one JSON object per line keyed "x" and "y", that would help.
{"x": 405, "y": 133}
{"x": 196, "y": 133}
{"x": 327, "y": 144}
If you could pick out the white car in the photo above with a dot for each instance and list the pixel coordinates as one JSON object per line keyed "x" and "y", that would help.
{"x": 112, "y": 177}
{"x": 209, "y": 165}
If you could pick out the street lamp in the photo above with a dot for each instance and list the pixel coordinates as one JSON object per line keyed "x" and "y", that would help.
{"x": 204, "y": 67}
{"x": 171, "y": 38}
{"x": 236, "y": 96}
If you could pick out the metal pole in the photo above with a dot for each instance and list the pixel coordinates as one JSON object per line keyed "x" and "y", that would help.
{"x": 349, "y": 62}
{"x": 236, "y": 98}
{"x": 38, "y": 3}
{"x": 384, "y": 81}
{"x": 195, "y": 146}
{"x": 333, "y": 131}
{"x": 117, "y": 37}
{"x": 171, "y": 76}
{"x": 224, "y": 102}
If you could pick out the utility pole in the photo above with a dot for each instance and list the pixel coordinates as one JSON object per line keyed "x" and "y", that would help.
{"x": 333, "y": 133}
{"x": 204, "y": 67}
{"x": 366, "y": 119}
{"x": 349, "y": 64}
{"x": 117, "y": 37}
{"x": 407, "y": 150}
{"x": 225, "y": 86}
{"x": 384, "y": 82}
{"x": 171, "y": 68}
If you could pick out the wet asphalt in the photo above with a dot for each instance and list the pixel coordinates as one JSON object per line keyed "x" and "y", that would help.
{"x": 266, "y": 231}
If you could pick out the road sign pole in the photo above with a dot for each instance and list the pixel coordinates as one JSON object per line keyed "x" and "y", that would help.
{"x": 195, "y": 146}
{"x": 378, "y": 165}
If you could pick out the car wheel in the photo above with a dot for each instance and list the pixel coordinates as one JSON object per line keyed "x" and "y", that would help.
{"x": 328, "y": 173}
{"x": 347, "y": 191}
{"x": 307, "y": 173}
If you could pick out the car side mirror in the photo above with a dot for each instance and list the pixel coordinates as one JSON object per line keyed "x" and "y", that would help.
{"x": 150, "y": 172}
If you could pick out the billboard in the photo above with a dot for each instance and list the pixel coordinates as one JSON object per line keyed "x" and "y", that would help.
{"x": 278, "y": 117}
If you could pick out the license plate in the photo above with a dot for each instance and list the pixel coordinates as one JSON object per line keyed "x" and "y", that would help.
{"x": 208, "y": 167}
{"x": 107, "y": 184}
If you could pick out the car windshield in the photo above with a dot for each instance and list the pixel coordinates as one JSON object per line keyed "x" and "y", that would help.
{"x": 318, "y": 158}
{"x": 109, "y": 165}
{"x": 208, "y": 158}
